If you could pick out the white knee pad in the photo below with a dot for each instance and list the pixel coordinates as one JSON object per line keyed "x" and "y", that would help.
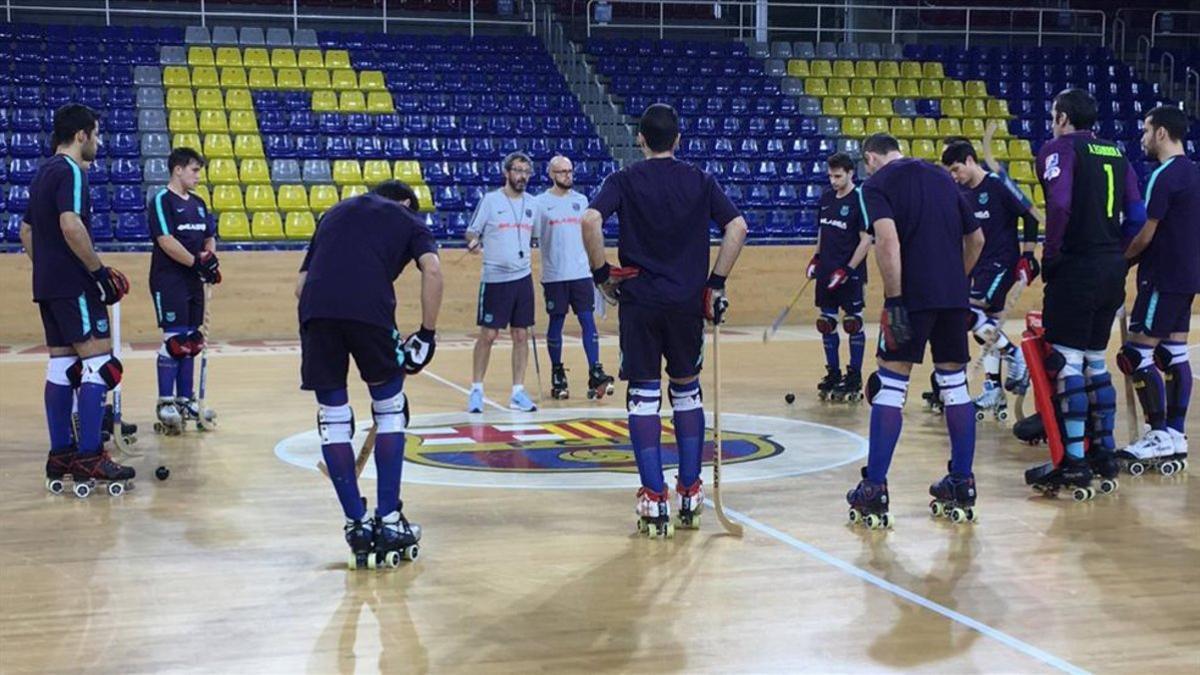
{"x": 1178, "y": 351}
{"x": 689, "y": 399}
{"x": 335, "y": 424}
{"x": 1072, "y": 361}
{"x": 887, "y": 391}
{"x": 953, "y": 387}
{"x": 56, "y": 370}
{"x": 644, "y": 402}
{"x": 391, "y": 414}
{"x": 1095, "y": 365}
{"x": 981, "y": 319}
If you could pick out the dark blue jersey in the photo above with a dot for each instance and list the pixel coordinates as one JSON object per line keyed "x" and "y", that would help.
{"x": 59, "y": 186}
{"x": 841, "y": 224}
{"x": 190, "y": 222}
{"x": 1172, "y": 260}
{"x": 998, "y": 207}
{"x": 361, "y": 245}
{"x": 664, "y": 207}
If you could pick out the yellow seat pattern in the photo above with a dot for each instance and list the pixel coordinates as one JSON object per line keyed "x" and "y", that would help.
{"x": 372, "y": 80}
{"x": 820, "y": 68}
{"x": 974, "y": 107}
{"x": 838, "y": 86}
{"x": 311, "y": 58}
{"x": 346, "y": 171}
{"x": 299, "y": 225}
{"x": 233, "y": 78}
{"x": 889, "y": 69}
{"x": 854, "y": 127}
{"x": 952, "y": 88}
{"x": 289, "y": 78}
{"x": 843, "y": 69}
{"x": 833, "y": 106}
{"x": 409, "y": 171}
{"x": 316, "y": 78}
{"x": 877, "y": 125}
{"x": 238, "y": 99}
{"x": 349, "y": 191}
{"x": 932, "y": 70}
{"x": 227, "y": 198}
{"x": 283, "y": 57}
{"x": 180, "y": 98}
{"x": 352, "y": 101}
{"x": 186, "y": 141}
{"x": 1000, "y": 149}
{"x": 337, "y": 58}
{"x": 997, "y": 107}
{"x": 256, "y": 57}
{"x": 213, "y": 122}
{"x": 233, "y": 226}
{"x": 228, "y": 56}
{"x": 815, "y": 86}
{"x": 209, "y": 98}
{"x": 248, "y": 146}
{"x": 976, "y": 89}
{"x": 201, "y": 191}
{"x": 267, "y": 225}
{"x": 243, "y": 122}
{"x": 262, "y": 78}
{"x": 910, "y": 70}
{"x": 200, "y": 56}
{"x": 218, "y": 145}
{"x": 176, "y": 76}
{"x": 798, "y": 68}
{"x": 861, "y": 87}
{"x": 260, "y": 198}
{"x": 908, "y": 88}
{"x": 1022, "y": 172}
{"x": 292, "y": 198}
{"x": 948, "y": 126}
{"x": 881, "y": 107}
{"x": 925, "y": 127}
{"x": 973, "y": 128}
{"x": 322, "y": 197}
{"x": 931, "y": 88}
{"x": 923, "y": 148}
{"x": 1001, "y": 129}
{"x": 904, "y": 147}
{"x": 1020, "y": 149}
{"x": 222, "y": 171}
{"x": 952, "y": 107}
{"x": 205, "y": 76}
{"x": 324, "y": 101}
{"x": 425, "y": 197}
{"x": 866, "y": 69}
{"x": 1039, "y": 197}
{"x": 380, "y": 102}
{"x": 902, "y": 127}
{"x": 182, "y": 121}
{"x": 857, "y": 106}
{"x": 341, "y": 80}
{"x": 376, "y": 171}
{"x": 254, "y": 172}
{"x": 885, "y": 87}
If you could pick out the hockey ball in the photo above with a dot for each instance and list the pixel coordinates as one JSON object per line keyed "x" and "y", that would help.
{"x": 162, "y": 473}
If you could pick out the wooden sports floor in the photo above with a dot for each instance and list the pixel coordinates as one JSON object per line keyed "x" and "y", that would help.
{"x": 236, "y": 563}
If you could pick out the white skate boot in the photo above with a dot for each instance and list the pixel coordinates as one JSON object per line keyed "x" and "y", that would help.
{"x": 170, "y": 418}
{"x": 1017, "y": 380}
{"x": 1179, "y": 441}
{"x": 1155, "y": 450}
{"x": 992, "y": 399}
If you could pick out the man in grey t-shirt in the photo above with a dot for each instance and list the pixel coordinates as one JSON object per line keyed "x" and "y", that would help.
{"x": 502, "y": 227}
{"x": 566, "y": 278}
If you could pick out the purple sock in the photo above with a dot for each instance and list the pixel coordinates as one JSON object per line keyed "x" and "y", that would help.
{"x": 554, "y": 337}
{"x": 590, "y": 336}
{"x": 168, "y": 370}
{"x": 184, "y": 381}
{"x": 339, "y": 454}
{"x": 832, "y": 342}
{"x": 389, "y": 444}
{"x": 689, "y": 430}
{"x": 858, "y": 344}
{"x": 645, "y": 432}
{"x": 887, "y": 420}
{"x": 960, "y": 419}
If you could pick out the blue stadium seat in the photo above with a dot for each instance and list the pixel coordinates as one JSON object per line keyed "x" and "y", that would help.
{"x": 388, "y": 124}
{"x": 272, "y": 122}
{"x": 455, "y": 148}
{"x": 24, "y": 144}
{"x": 359, "y": 123}
{"x": 331, "y": 123}
{"x": 395, "y": 146}
{"x": 99, "y": 198}
{"x": 18, "y": 198}
{"x": 125, "y": 170}
{"x": 483, "y": 148}
{"x": 368, "y": 147}
{"x": 98, "y": 172}
{"x": 22, "y": 170}
{"x": 101, "y": 226}
{"x": 337, "y": 147}
{"x": 28, "y": 119}
{"x": 128, "y": 199}
{"x": 472, "y": 197}
{"x": 279, "y": 146}
{"x": 123, "y": 145}
{"x": 448, "y": 198}
{"x": 12, "y": 227}
{"x": 267, "y": 100}
{"x": 309, "y": 147}
{"x": 426, "y": 148}
{"x": 121, "y": 120}
{"x": 3, "y": 174}
{"x": 436, "y": 173}
{"x": 466, "y": 173}
{"x": 131, "y": 227}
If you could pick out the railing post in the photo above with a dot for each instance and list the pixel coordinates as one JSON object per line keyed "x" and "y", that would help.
{"x": 472, "y": 15}
{"x": 1162, "y": 65}
{"x": 1041, "y": 20}
{"x": 295, "y": 16}
{"x": 893, "y": 25}
{"x": 202, "y": 16}
{"x": 1103, "y": 28}
{"x": 385, "y": 17}
{"x": 967, "y": 32}
{"x": 818, "y": 23}
{"x": 662, "y": 11}
{"x": 107, "y": 12}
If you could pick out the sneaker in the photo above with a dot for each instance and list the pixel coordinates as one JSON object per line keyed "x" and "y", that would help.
{"x": 521, "y": 402}
{"x": 475, "y": 401}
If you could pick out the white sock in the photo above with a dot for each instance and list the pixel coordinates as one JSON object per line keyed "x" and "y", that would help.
{"x": 476, "y": 386}
{"x": 518, "y": 388}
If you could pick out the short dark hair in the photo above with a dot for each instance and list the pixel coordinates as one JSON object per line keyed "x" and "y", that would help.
{"x": 182, "y": 156}
{"x": 514, "y": 157}
{"x": 398, "y": 191}
{"x": 958, "y": 152}
{"x": 1172, "y": 119}
{"x": 881, "y": 144}
{"x": 1078, "y": 106}
{"x": 70, "y": 120}
{"x": 659, "y": 126}
{"x": 951, "y": 140}
{"x": 840, "y": 160}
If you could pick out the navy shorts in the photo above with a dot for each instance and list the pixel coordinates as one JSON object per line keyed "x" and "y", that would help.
{"x": 578, "y": 294}
{"x": 650, "y": 334}
{"x": 178, "y": 306}
{"x": 326, "y": 346}
{"x": 504, "y": 304}
{"x": 990, "y": 284}
{"x": 1159, "y": 314}
{"x": 1081, "y": 300}
{"x": 69, "y": 321}
{"x": 848, "y": 297}
{"x": 944, "y": 329}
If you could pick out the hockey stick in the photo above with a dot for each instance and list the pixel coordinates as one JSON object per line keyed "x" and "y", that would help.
{"x": 364, "y": 453}
{"x": 989, "y": 347}
{"x": 1130, "y": 399}
{"x": 537, "y": 363}
{"x": 768, "y": 333}
{"x": 202, "y": 421}
{"x": 118, "y": 438}
{"x": 730, "y": 526}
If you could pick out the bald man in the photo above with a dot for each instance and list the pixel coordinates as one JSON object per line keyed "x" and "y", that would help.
{"x": 566, "y": 277}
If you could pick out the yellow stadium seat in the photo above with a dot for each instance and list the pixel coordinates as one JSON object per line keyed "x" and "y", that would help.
{"x": 902, "y": 127}
{"x": 316, "y": 78}
{"x": 346, "y": 171}
{"x": 815, "y": 86}
{"x": 233, "y": 226}
{"x": 375, "y": 171}
{"x": 925, "y": 127}
{"x": 322, "y": 197}
{"x": 292, "y": 198}
{"x": 998, "y": 107}
{"x": 222, "y": 171}
{"x": 866, "y": 69}
{"x": 1001, "y": 128}
{"x": 949, "y": 126}
{"x": 877, "y": 125}
{"x": 243, "y": 122}
{"x": 1039, "y": 196}
{"x": 952, "y": 88}
{"x": 974, "y": 107}
{"x": 352, "y": 101}
{"x": 260, "y": 198}
{"x": 798, "y": 68}
{"x": 256, "y": 57}
{"x": 229, "y": 56}
{"x": 853, "y": 127}
{"x": 838, "y": 86}
{"x": 299, "y": 225}
{"x": 342, "y": 79}
{"x": 200, "y": 56}
{"x": 380, "y": 102}
{"x": 908, "y": 88}
{"x": 1000, "y": 149}
{"x": 201, "y": 191}
{"x": 889, "y": 69}
{"x": 904, "y": 147}
{"x": 976, "y": 89}
{"x": 349, "y": 191}
{"x": 857, "y": 106}
{"x": 952, "y": 107}
{"x": 1022, "y": 172}
{"x": 923, "y": 148}
{"x": 176, "y": 76}
{"x": 861, "y": 87}
{"x": 289, "y": 78}
{"x": 881, "y": 107}
{"x": 885, "y": 87}
{"x": 186, "y": 141}
{"x": 932, "y": 70}
{"x": 833, "y": 106}
{"x": 337, "y": 58}
{"x": 910, "y": 70}
{"x": 205, "y": 76}
{"x": 972, "y": 127}
{"x": 283, "y": 58}
{"x": 254, "y": 172}
{"x": 408, "y": 170}
{"x": 213, "y": 122}
{"x": 1020, "y": 149}
{"x": 324, "y": 101}
{"x": 262, "y": 78}
{"x": 180, "y": 98}
{"x": 248, "y": 146}
{"x": 227, "y": 198}
{"x": 843, "y": 69}
{"x": 820, "y": 68}
{"x": 311, "y": 58}
{"x": 1027, "y": 190}
{"x": 209, "y": 98}
{"x": 931, "y": 88}
{"x": 267, "y": 225}
{"x": 425, "y": 197}
{"x": 182, "y": 121}
{"x": 218, "y": 145}
{"x": 234, "y": 78}
{"x": 371, "y": 80}
{"x": 238, "y": 99}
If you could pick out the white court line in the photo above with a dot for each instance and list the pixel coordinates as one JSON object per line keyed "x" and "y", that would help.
{"x": 464, "y": 390}
{"x": 448, "y": 441}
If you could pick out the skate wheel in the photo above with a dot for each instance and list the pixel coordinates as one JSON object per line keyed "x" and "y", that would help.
{"x": 351, "y": 561}
{"x": 115, "y": 489}
{"x": 1108, "y": 486}
{"x": 886, "y": 521}
{"x": 610, "y": 390}
{"x": 669, "y": 530}
{"x": 54, "y": 485}
{"x": 1136, "y": 469}
{"x": 411, "y": 552}
{"x": 159, "y": 428}
{"x": 958, "y": 516}
{"x": 1079, "y": 494}
{"x": 1002, "y": 416}
{"x": 1183, "y": 465}
{"x": 873, "y": 521}
{"x": 972, "y": 515}
{"x": 935, "y": 508}
{"x": 591, "y": 395}
{"x": 130, "y": 440}
{"x": 980, "y": 415}
{"x": 82, "y": 490}
{"x": 641, "y": 525}
{"x": 1166, "y": 468}
{"x": 855, "y": 516}
{"x": 391, "y": 559}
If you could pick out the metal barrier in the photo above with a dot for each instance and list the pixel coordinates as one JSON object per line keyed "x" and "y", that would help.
{"x": 1154, "y": 25}
{"x": 1162, "y": 68}
{"x": 894, "y": 25}
{"x": 1191, "y": 93}
{"x": 295, "y": 16}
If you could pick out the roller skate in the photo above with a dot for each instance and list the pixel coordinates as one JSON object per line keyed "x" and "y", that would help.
{"x": 360, "y": 535}
{"x": 558, "y": 383}
{"x": 1071, "y": 473}
{"x": 58, "y": 468}
{"x": 396, "y": 539}
{"x": 825, "y": 388}
{"x": 1104, "y": 464}
{"x": 170, "y": 418}
{"x": 191, "y": 411}
{"x": 1156, "y": 450}
{"x": 691, "y": 503}
{"x": 869, "y": 504}
{"x": 954, "y": 498}
{"x": 991, "y": 400}
{"x": 600, "y": 384}
{"x": 654, "y": 513}
{"x": 128, "y": 430}
{"x": 1180, "y": 442}
{"x": 89, "y": 470}
{"x": 850, "y": 388}
{"x": 1017, "y": 380}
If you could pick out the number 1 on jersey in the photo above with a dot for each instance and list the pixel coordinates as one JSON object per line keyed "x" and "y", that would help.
{"x": 1108, "y": 172}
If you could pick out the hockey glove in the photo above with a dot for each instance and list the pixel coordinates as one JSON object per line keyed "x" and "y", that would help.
{"x": 112, "y": 284}
{"x": 897, "y": 330}
{"x": 208, "y": 267}
{"x": 811, "y": 270}
{"x": 715, "y": 302}
{"x": 1027, "y": 268}
{"x": 609, "y": 279}
{"x": 840, "y": 276}
{"x": 418, "y": 350}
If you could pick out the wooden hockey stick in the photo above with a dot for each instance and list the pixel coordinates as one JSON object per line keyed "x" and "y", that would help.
{"x": 1135, "y": 429}
{"x": 989, "y": 347}
{"x": 118, "y": 438}
{"x": 770, "y": 332}
{"x": 202, "y": 421}
{"x": 364, "y": 454}
{"x": 731, "y": 527}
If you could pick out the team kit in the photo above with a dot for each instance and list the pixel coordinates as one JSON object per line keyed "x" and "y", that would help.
{"x": 954, "y": 247}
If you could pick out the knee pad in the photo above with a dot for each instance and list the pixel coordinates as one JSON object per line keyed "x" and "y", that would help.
{"x": 390, "y": 414}
{"x": 1094, "y": 364}
{"x": 1064, "y": 361}
{"x": 176, "y": 346}
{"x": 1163, "y": 357}
{"x": 643, "y": 398}
{"x": 686, "y": 397}
{"x": 1054, "y": 362}
{"x": 984, "y": 331}
{"x": 826, "y": 324}
{"x": 980, "y": 319}
{"x": 59, "y": 371}
{"x": 105, "y": 369}
{"x": 1132, "y": 358}
{"x": 885, "y": 390}
{"x": 335, "y": 423}
{"x": 196, "y": 342}
{"x": 953, "y": 386}
{"x": 852, "y": 324}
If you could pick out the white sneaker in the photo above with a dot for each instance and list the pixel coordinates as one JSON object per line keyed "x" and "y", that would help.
{"x": 1154, "y": 444}
{"x": 1178, "y": 441}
